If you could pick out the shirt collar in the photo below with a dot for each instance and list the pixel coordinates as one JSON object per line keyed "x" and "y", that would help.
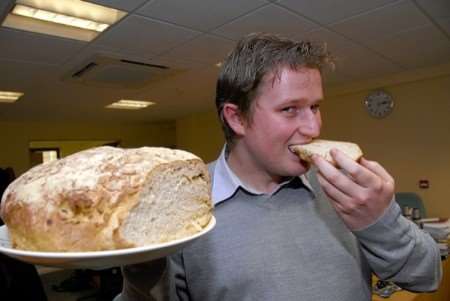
{"x": 226, "y": 182}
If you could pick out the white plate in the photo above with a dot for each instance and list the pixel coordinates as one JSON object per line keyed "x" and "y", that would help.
{"x": 98, "y": 259}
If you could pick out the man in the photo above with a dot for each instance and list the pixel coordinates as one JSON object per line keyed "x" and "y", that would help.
{"x": 285, "y": 231}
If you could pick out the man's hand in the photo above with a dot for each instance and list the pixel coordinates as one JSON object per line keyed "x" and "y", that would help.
{"x": 359, "y": 192}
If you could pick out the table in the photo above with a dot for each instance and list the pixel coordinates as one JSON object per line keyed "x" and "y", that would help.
{"x": 442, "y": 294}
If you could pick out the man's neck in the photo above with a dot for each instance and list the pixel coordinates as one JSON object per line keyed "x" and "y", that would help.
{"x": 250, "y": 173}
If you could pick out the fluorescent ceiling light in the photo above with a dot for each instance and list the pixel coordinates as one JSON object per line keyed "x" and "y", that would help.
{"x": 128, "y": 104}
{"x": 44, "y": 15}
{"x": 7, "y": 96}
{"x": 73, "y": 19}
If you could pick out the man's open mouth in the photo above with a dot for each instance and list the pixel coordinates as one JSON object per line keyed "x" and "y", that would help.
{"x": 291, "y": 148}
{"x": 303, "y": 162}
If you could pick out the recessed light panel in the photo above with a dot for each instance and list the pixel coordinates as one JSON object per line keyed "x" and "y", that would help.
{"x": 9, "y": 97}
{"x": 128, "y": 104}
{"x": 73, "y": 19}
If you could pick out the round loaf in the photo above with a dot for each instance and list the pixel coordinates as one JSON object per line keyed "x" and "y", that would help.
{"x": 108, "y": 198}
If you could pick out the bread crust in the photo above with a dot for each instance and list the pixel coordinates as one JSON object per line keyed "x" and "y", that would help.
{"x": 80, "y": 203}
{"x": 322, "y": 148}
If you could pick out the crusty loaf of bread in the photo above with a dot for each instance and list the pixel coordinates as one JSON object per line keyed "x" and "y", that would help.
{"x": 108, "y": 198}
{"x": 322, "y": 148}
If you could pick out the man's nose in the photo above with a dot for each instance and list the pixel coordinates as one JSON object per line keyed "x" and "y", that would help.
{"x": 310, "y": 124}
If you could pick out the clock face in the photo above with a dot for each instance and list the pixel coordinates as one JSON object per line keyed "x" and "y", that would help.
{"x": 379, "y": 104}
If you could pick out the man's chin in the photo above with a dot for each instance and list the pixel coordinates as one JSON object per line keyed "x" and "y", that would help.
{"x": 301, "y": 168}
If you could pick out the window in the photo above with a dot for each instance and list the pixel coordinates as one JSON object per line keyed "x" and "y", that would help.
{"x": 43, "y": 155}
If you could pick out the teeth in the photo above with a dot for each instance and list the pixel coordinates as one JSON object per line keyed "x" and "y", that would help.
{"x": 290, "y": 148}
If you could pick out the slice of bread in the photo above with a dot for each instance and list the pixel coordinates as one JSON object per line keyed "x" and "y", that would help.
{"x": 322, "y": 148}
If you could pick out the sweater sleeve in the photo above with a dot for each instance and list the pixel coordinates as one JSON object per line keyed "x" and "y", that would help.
{"x": 178, "y": 289}
{"x": 399, "y": 251}
{"x": 158, "y": 280}
{"x": 145, "y": 281}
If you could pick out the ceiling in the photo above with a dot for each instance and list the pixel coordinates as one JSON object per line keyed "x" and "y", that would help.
{"x": 370, "y": 39}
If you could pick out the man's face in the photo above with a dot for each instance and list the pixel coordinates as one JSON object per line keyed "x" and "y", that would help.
{"x": 285, "y": 111}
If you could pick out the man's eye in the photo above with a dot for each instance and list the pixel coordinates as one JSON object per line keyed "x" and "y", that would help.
{"x": 315, "y": 108}
{"x": 289, "y": 109}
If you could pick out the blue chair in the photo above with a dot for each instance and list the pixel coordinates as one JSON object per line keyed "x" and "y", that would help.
{"x": 411, "y": 200}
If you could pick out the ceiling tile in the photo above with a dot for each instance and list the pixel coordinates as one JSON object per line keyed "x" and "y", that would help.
{"x": 331, "y": 77}
{"x": 205, "y": 48}
{"x": 176, "y": 62}
{"x": 382, "y": 22}
{"x": 65, "y": 100}
{"x": 348, "y": 50}
{"x": 126, "y": 5}
{"x": 3, "y": 6}
{"x": 438, "y": 9}
{"x": 202, "y": 15}
{"x": 348, "y": 56}
{"x": 144, "y": 36}
{"x": 13, "y": 75}
{"x": 36, "y": 48}
{"x": 287, "y": 23}
{"x": 420, "y": 47}
{"x": 333, "y": 41}
{"x": 367, "y": 66}
{"x": 352, "y": 59}
{"x": 329, "y": 11}
{"x": 358, "y": 62}
{"x": 36, "y": 80}
{"x": 445, "y": 24}
{"x": 88, "y": 53}
{"x": 185, "y": 91}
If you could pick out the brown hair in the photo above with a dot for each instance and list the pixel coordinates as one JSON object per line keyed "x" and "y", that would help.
{"x": 254, "y": 57}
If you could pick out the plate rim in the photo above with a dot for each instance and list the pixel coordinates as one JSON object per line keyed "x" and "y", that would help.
{"x": 95, "y": 254}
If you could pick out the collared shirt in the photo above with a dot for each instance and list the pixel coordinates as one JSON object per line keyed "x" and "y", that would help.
{"x": 226, "y": 182}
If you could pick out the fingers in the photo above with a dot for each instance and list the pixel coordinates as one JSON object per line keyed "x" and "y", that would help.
{"x": 363, "y": 176}
{"x": 337, "y": 185}
{"x": 355, "y": 181}
{"x": 377, "y": 169}
{"x": 359, "y": 192}
{"x": 340, "y": 199}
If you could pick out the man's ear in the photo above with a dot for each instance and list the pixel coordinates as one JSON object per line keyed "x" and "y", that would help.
{"x": 234, "y": 118}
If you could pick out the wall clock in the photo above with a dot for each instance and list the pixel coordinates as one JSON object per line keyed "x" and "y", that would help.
{"x": 379, "y": 103}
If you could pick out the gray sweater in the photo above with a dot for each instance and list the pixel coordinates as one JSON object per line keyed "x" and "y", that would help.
{"x": 291, "y": 246}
